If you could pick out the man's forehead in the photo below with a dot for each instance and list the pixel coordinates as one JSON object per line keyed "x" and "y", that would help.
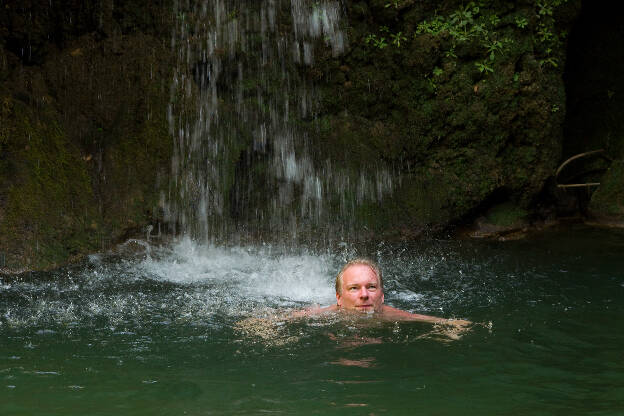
{"x": 357, "y": 273}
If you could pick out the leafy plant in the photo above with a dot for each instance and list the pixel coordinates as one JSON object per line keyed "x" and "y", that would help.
{"x": 467, "y": 23}
{"x": 549, "y": 61}
{"x": 545, "y": 33}
{"x": 432, "y": 84}
{"x": 521, "y": 22}
{"x": 483, "y": 67}
{"x": 474, "y": 22}
{"x": 433, "y": 27}
{"x": 544, "y": 8}
{"x": 494, "y": 20}
{"x": 397, "y": 38}
{"x": 378, "y": 42}
{"x": 381, "y": 41}
{"x": 492, "y": 47}
{"x": 546, "y": 36}
{"x": 464, "y": 17}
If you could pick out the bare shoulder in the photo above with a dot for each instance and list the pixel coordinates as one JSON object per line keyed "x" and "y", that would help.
{"x": 391, "y": 313}
{"x": 315, "y": 310}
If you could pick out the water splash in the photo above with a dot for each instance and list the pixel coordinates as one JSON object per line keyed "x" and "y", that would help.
{"x": 247, "y": 272}
{"x": 184, "y": 284}
{"x": 188, "y": 284}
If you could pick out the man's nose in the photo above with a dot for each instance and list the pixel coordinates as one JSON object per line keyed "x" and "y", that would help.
{"x": 364, "y": 293}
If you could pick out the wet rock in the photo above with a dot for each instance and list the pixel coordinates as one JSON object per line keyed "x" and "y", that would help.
{"x": 606, "y": 207}
{"x": 502, "y": 222}
{"x": 83, "y": 130}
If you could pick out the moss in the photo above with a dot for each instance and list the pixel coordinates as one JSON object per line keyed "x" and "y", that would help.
{"x": 454, "y": 133}
{"x": 131, "y": 194}
{"x": 506, "y": 215}
{"x": 48, "y": 209}
{"x": 608, "y": 199}
{"x": 84, "y": 156}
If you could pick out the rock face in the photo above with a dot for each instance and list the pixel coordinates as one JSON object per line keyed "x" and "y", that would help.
{"x": 607, "y": 202}
{"x": 468, "y": 99}
{"x": 83, "y": 131}
{"x": 595, "y": 101}
{"x": 465, "y": 102}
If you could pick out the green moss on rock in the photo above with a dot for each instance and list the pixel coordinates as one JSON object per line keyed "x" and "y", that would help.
{"x": 84, "y": 148}
{"x": 47, "y": 213}
{"x": 608, "y": 200}
{"x": 456, "y": 134}
{"x": 506, "y": 215}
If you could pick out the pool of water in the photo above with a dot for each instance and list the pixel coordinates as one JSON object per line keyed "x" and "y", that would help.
{"x": 199, "y": 330}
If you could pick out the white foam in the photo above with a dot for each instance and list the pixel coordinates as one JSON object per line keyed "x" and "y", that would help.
{"x": 246, "y": 272}
{"x": 406, "y": 295}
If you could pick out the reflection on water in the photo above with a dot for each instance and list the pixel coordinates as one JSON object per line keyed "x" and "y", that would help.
{"x": 196, "y": 329}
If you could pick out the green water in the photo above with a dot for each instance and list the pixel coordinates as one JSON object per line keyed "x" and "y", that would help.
{"x": 157, "y": 332}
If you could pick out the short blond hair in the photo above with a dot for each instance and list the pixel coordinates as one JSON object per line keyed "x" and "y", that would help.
{"x": 366, "y": 262}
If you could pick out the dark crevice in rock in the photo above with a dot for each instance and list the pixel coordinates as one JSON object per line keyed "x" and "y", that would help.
{"x": 595, "y": 102}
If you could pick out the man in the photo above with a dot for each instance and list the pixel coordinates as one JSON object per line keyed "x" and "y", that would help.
{"x": 359, "y": 288}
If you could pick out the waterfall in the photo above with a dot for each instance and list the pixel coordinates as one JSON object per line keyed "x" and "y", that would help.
{"x": 242, "y": 111}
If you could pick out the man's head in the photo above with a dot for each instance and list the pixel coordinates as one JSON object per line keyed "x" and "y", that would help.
{"x": 359, "y": 286}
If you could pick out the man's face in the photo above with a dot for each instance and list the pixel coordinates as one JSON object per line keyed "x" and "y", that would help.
{"x": 360, "y": 290}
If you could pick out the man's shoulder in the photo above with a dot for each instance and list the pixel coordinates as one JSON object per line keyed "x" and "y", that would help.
{"x": 315, "y": 310}
{"x": 394, "y": 313}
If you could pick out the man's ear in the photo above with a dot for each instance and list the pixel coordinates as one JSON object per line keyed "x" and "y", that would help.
{"x": 382, "y": 298}
{"x": 338, "y": 299}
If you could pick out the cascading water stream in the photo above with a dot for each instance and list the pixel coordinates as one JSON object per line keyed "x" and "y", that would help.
{"x": 242, "y": 114}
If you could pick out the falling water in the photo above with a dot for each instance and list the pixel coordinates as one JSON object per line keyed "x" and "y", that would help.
{"x": 242, "y": 113}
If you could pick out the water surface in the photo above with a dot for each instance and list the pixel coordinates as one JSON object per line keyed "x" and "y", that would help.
{"x": 171, "y": 331}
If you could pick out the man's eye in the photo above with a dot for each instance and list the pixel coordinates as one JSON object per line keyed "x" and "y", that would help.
{"x": 372, "y": 287}
{"x": 353, "y": 288}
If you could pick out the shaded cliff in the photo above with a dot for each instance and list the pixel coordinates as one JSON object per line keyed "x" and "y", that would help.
{"x": 83, "y": 132}
{"x": 466, "y": 98}
{"x": 463, "y": 102}
{"x": 595, "y": 101}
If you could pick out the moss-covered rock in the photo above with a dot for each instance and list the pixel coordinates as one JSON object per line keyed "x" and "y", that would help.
{"x": 47, "y": 212}
{"x": 84, "y": 139}
{"x": 460, "y": 101}
{"x": 465, "y": 100}
{"x": 607, "y": 202}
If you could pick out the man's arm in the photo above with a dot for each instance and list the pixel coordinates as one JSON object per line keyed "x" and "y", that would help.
{"x": 389, "y": 313}
{"x": 397, "y": 314}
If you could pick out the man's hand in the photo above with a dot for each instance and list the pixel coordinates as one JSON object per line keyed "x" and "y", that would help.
{"x": 452, "y": 329}
{"x": 458, "y": 323}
